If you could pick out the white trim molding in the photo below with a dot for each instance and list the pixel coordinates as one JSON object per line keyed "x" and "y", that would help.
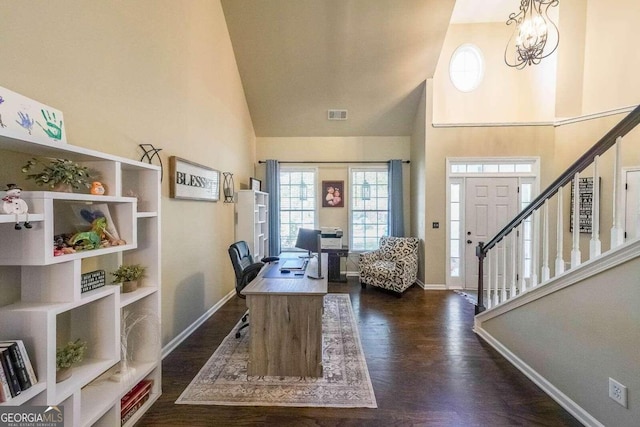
{"x": 594, "y": 266}
{"x": 557, "y": 122}
{"x": 171, "y": 345}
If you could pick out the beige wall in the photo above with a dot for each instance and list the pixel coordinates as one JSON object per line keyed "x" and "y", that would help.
{"x": 149, "y": 71}
{"x": 315, "y": 149}
{"x": 584, "y": 334}
{"x": 611, "y": 62}
{"x": 505, "y": 94}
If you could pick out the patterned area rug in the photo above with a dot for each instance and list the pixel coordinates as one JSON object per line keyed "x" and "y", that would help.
{"x": 345, "y": 383}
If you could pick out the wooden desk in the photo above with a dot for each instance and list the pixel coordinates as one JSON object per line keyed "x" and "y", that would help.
{"x": 285, "y": 314}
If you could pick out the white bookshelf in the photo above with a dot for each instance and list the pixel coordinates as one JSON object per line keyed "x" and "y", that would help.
{"x": 52, "y": 310}
{"x": 252, "y": 221}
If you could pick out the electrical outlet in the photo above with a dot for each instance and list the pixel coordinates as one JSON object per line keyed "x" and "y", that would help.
{"x": 618, "y": 392}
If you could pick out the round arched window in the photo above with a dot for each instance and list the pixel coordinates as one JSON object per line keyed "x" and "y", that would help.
{"x": 466, "y": 68}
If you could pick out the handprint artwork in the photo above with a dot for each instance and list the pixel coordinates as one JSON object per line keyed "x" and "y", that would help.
{"x": 25, "y": 121}
{"x": 53, "y": 129}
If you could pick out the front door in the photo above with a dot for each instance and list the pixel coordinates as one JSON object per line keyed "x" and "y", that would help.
{"x": 632, "y": 205}
{"x": 490, "y": 203}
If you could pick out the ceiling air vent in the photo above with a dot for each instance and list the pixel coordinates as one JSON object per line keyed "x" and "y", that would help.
{"x": 337, "y": 114}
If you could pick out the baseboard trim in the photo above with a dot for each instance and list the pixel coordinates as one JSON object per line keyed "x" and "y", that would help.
{"x": 433, "y": 286}
{"x": 171, "y": 345}
{"x": 562, "y": 399}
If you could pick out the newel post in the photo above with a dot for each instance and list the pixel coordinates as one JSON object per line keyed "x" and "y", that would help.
{"x": 481, "y": 255}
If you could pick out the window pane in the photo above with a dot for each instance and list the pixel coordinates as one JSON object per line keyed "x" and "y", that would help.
{"x": 455, "y": 248}
{"x": 455, "y": 211}
{"x": 523, "y": 168}
{"x": 490, "y": 168}
{"x": 507, "y": 168}
{"x": 474, "y": 168}
{"x": 369, "y": 218}
{"x": 455, "y": 192}
{"x": 297, "y": 204}
{"x": 455, "y": 229}
{"x": 455, "y": 267}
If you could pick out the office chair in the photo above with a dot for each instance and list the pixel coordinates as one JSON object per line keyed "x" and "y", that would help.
{"x": 246, "y": 270}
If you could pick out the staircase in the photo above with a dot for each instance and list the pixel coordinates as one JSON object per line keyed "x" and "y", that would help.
{"x": 570, "y": 324}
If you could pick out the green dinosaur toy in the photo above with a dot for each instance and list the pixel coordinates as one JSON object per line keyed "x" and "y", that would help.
{"x": 91, "y": 239}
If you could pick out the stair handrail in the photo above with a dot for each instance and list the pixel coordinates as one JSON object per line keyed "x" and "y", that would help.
{"x": 626, "y": 125}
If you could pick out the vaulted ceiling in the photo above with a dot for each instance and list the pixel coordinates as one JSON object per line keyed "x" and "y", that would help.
{"x": 299, "y": 58}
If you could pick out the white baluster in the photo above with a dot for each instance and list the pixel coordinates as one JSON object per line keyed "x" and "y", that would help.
{"x": 522, "y": 283}
{"x": 595, "y": 246}
{"x": 559, "y": 236}
{"x": 576, "y": 256}
{"x": 546, "y": 271}
{"x": 503, "y": 291}
{"x": 496, "y": 258}
{"x": 514, "y": 245}
{"x": 535, "y": 247}
{"x": 617, "y": 231}
{"x": 489, "y": 279}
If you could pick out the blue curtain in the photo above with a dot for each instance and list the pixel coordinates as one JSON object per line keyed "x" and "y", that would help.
{"x": 396, "y": 211}
{"x": 273, "y": 188}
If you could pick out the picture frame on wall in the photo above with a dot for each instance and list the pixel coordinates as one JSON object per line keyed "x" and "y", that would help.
{"x": 255, "y": 184}
{"x": 333, "y": 194}
{"x": 192, "y": 181}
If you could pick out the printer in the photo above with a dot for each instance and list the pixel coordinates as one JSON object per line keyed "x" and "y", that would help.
{"x": 331, "y": 237}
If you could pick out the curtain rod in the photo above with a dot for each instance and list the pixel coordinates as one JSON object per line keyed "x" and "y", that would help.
{"x": 338, "y": 161}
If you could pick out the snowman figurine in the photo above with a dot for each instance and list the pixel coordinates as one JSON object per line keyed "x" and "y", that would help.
{"x": 13, "y": 204}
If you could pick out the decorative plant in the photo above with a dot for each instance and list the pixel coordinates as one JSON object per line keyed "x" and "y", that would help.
{"x": 128, "y": 273}
{"x": 70, "y": 354}
{"x": 58, "y": 171}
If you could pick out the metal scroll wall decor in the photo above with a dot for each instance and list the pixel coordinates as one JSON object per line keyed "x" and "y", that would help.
{"x": 149, "y": 153}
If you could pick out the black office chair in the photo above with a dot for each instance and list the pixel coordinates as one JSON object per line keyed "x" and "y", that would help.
{"x": 246, "y": 270}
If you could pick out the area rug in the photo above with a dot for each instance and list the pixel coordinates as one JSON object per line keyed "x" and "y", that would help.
{"x": 345, "y": 383}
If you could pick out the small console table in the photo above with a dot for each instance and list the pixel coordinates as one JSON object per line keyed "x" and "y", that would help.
{"x": 334, "y": 263}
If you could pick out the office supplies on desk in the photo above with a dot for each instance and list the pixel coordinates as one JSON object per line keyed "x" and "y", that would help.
{"x": 293, "y": 264}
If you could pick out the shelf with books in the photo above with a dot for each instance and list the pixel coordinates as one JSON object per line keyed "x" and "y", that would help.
{"x": 102, "y": 394}
{"x": 50, "y": 309}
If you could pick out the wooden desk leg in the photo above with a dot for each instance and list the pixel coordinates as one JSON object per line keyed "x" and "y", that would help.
{"x": 286, "y": 335}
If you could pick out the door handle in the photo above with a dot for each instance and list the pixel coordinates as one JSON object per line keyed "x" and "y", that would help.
{"x": 469, "y": 242}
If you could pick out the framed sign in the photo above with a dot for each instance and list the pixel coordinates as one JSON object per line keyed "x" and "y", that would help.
{"x": 255, "y": 184}
{"x": 585, "y": 205}
{"x": 192, "y": 181}
{"x": 332, "y": 194}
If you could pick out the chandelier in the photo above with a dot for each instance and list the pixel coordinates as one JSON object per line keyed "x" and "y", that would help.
{"x": 535, "y": 35}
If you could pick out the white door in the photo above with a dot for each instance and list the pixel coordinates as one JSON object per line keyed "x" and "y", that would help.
{"x": 632, "y": 205}
{"x": 490, "y": 203}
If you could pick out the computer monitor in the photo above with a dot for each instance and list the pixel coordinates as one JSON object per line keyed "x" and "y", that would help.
{"x": 309, "y": 240}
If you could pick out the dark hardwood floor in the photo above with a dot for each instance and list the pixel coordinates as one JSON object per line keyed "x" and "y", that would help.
{"x": 427, "y": 366}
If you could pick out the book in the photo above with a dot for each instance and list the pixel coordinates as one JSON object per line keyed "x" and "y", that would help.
{"x": 10, "y": 373}
{"x": 18, "y": 363}
{"x": 129, "y": 399}
{"x": 137, "y": 405}
{"x": 26, "y": 360}
{"x": 5, "y": 392}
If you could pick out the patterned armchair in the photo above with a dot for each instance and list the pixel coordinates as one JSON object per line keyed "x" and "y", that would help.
{"x": 394, "y": 266}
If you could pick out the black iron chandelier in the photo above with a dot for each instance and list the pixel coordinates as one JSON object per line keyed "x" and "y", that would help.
{"x": 535, "y": 35}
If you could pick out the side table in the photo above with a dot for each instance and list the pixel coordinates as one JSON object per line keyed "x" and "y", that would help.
{"x": 334, "y": 263}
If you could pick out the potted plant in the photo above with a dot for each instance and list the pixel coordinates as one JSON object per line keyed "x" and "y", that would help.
{"x": 67, "y": 356}
{"x": 58, "y": 174}
{"x": 129, "y": 275}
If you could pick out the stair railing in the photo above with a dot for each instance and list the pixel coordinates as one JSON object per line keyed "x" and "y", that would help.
{"x": 502, "y": 272}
